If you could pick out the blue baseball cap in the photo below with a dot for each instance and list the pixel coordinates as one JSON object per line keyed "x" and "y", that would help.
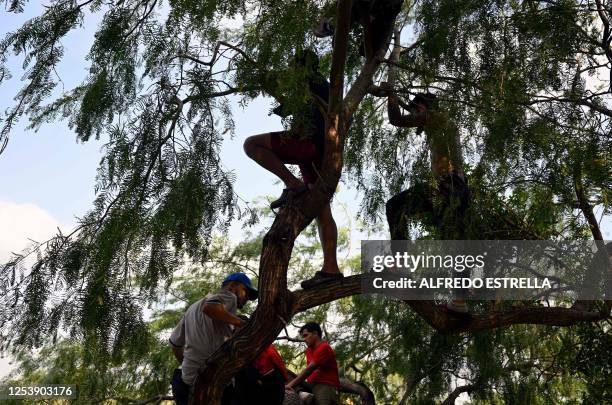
{"x": 244, "y": 279}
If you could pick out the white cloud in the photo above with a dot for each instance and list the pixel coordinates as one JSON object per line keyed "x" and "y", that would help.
{"x": 21, "y": 222}
{"x": 18, "y": 222}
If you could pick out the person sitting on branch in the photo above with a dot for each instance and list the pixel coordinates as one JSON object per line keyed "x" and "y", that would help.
{"x": 321, "y": 372}
{"x": 301, "y": 145}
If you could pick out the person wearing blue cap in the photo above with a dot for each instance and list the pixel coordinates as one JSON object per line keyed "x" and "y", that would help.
{"x": 205, "y": 326}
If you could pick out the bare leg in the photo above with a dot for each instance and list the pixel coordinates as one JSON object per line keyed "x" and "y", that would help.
{"x": 328, "y": 233}
{"x": 259, "y": 148}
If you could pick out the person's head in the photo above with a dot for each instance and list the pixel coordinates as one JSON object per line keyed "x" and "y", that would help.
{"x": 240, "y": 285}
{"x": 423, "y": 102}
{"x": 307, "y": 59}
{"x": 311, "y": 333}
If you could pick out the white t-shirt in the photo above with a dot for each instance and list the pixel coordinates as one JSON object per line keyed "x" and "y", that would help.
{"x": 199, "y": 335}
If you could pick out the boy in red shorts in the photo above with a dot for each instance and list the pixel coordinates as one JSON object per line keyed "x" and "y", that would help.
{"x": 302, "y": 145}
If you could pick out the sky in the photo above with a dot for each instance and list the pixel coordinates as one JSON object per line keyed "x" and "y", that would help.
{"x": 47, "y": 177}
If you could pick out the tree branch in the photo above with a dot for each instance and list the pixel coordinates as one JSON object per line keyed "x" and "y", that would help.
{"x": 360, "y": 87}
{"x": 157, "y": 399}
{"x": 586, "y": 208}
{"x": 240, "y": 51}
{"x": 352, "y": 387}
{"x": 458, "y": 391}
{"x": 439, "y": 320}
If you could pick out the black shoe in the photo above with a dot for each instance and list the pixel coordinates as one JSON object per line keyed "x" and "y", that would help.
{"x": 287, "y": 195}
{"x": 321, "y": 278}
{"x": 324, "y": 29}
{"x": 454, "y": 313}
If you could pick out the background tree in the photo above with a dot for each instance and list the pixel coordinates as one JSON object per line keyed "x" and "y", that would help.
{"x": 514, "y": 75}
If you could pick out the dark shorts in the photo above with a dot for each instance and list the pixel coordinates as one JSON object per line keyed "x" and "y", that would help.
{"x": 292, "y": 149}
{"x": 180, "y": 390}
{"x": 444, "y": 207}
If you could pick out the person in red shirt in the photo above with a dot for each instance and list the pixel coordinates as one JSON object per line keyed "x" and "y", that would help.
{"x": 262, "y": 382}
{"x": 321, "y": 368}
{"x": 272, "y": 377}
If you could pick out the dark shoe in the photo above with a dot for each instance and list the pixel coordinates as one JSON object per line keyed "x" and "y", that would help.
{"x": 288, "y": 194}
{"x": 455, "y": 312}
{"x": 324, "y": 29}
{"x": 321, "y": 278}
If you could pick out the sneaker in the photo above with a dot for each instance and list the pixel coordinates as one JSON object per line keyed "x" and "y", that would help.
{"x": 324, "y": 29}
{"x": 456, "y": 311}
{"x": 288, "y": 194}
{"x": 321, "y": 278}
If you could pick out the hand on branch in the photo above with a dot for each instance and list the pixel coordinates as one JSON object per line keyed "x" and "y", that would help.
{"x": 385, "y": 89}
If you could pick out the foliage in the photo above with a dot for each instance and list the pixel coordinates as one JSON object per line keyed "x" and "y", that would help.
{"x": 526, "y": 82}
{"x": 377, "y": 341}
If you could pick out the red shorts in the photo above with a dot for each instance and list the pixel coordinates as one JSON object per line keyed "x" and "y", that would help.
{"x": 291, "y": 149}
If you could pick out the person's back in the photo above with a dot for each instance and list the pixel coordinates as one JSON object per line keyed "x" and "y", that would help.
{"x": 444, "y": 146}
{"x": 202, "y": 334}
{"x": 203, "y": 328}
{"x": 272, "y": 376}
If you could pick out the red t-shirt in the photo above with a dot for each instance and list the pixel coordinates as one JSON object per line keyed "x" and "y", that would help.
{"x": 269, "y": 360}
{"x": 327, "y": 372}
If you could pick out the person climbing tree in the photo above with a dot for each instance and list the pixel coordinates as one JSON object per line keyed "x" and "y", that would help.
{"x": 302, "y": 145}
{"x": 448, "y": 202}
{"x": 204, "y": 327}
{"x": 375, "y": 17}
{"x": 446, "y": 167}
{"x": 444, "y": 205}
{"x": 262, "y": 382}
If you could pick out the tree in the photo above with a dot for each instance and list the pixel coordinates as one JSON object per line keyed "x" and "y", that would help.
{"x": 377, "y": 341}
{"x": 513, "y": 74}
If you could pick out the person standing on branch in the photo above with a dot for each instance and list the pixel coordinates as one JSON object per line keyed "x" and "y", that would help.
{"x": 302, "y": 145}
{"x": 375, "y": 17}
{"x": 445, "y": 204}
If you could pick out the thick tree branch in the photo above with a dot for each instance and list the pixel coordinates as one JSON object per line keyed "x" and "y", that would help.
{"x": 458, "y": 391}
{"x": 495, "y": 319}
{"x": 157, "y": 399}
{"x": 306, "y": 299}
{"x": 439, "y": 320}
{"x": 361, "y": 85}
{"x": 586, "y": 208}
{"x": 351, "y": 387}
{"x": 339, "y": 56}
